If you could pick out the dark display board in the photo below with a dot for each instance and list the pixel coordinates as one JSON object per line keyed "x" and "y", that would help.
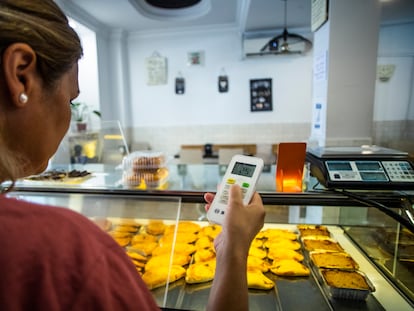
{"x": 261, "y": 95}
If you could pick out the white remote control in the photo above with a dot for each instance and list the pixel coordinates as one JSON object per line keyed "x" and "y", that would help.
{"x": 242, "y": 170}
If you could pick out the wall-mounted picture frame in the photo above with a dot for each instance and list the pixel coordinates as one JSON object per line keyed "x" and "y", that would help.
{"x": 261, "y": 95}
{"x": 157, "y": 70}
{"x": 196, "y": 58}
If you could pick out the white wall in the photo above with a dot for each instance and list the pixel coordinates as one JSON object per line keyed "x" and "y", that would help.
{"x": 156, "y": 115}
{"x": 202, "y": 103}
{"x": 395, "y": 99}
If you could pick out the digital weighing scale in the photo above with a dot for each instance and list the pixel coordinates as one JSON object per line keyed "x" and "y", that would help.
{"x": 366, "y": 167}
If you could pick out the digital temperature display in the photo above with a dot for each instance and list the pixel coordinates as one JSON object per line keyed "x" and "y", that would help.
{"x": 243, "y": 169}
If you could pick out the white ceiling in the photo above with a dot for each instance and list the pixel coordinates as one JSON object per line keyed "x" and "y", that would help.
{"x": 246, "y": 15}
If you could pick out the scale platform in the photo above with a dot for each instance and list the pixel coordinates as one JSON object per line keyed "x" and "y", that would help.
{"x": 365, "y": 167}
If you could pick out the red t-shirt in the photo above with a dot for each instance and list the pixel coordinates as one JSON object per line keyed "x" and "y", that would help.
{"x": 52, "y": 258}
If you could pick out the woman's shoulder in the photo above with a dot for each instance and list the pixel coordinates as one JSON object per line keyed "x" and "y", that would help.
{"x": 40, "y": 223}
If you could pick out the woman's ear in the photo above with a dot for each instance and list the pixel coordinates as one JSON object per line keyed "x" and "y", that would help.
{"x": 19, "y": 65}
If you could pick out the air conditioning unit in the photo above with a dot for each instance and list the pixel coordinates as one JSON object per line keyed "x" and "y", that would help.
{"x": 261, "y": 44}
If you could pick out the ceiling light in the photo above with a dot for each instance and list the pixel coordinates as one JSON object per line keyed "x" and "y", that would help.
{"x": 172, "y": 10}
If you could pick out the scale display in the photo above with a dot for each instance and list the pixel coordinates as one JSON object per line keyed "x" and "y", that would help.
{"x": 362, "y": 168}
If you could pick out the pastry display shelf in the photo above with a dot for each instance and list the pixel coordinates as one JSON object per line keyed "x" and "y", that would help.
{"x": 348, "y": 220}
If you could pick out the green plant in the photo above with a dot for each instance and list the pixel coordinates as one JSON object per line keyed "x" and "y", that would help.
{"x": 81, "y": 111}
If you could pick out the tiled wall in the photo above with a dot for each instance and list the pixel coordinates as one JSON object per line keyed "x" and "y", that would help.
{"x": 393, "y": 134}
{"x": 169, "y": 139}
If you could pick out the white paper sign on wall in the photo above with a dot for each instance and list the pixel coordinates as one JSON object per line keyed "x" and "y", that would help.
{"x": 157, "y": 69}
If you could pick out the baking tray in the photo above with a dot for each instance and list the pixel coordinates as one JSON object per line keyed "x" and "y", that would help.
{"x": 289, "y": 293}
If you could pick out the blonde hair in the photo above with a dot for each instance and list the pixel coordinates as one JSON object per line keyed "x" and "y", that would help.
{"x": 42, "y": 25}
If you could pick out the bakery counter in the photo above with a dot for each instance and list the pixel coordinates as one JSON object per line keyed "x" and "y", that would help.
{"x": 129, "y": 215}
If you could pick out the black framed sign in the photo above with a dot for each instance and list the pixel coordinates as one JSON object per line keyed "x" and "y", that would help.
{"x": 261, "y": 95}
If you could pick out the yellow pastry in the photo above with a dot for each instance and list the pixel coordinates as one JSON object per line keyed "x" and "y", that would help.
{"x": 181, "y": 237}
{"x": 257, "y": 252}
{"x": 204, "y": 242}
{"x": 203, "y": 255}
{"x": 155, "y": 227}
{"x": 120, "y": 234}
{"x": 284, "y": 253}
{"x": 289, "y": 267}
{"x": 164, "y": 260}
{"x": 122, "y": 241}
{"x": 282, "y": 243}
{"x": 256, "y": 263}
{"x": 257, "y": 280}
{"x": 179, "y": 248}
{"x": 200, "y": 272}
{"x": 211, "y": 230}
{"x": 136, "y": 256}
{"x": 143, "y": 238}
{"x": 183, "y": 227}
{"x": 158, "y": 276}
{"x": 143, "y": 248}
{"x": 126, "y": 228}
{"x": 279, "y": 233}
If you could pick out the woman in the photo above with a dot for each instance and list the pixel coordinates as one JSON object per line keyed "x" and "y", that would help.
{"x": 53, "y": 258}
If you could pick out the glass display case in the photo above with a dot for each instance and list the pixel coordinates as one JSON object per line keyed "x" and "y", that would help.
{"x": 372, "y": 227}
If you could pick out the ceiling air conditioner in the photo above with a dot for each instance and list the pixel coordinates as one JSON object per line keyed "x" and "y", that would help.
{"x": 263, "y": 43}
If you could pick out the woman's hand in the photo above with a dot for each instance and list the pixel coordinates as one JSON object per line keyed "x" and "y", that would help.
{"x": 242, "y": 222}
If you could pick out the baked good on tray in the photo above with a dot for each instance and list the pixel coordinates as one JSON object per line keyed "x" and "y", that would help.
{"x": 345, "y": 279}
{"x": 289, "y": 267}
{"x": 333, "y": 260}
{"x": 321, "y": 243}
{"x": 200, "y": 272}
{"x": 257, "y": 280}
{"x": 158, "y": 276}
{"x": 281, "y": 253}
{"x": 282, "y": 243}
{"x": 313, "y": 230}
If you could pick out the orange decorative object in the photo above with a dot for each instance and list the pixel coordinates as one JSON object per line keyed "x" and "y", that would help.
{"x": 289, "y": 166}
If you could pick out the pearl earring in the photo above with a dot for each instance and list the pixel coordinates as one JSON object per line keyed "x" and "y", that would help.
{"x": 23, "y": 98}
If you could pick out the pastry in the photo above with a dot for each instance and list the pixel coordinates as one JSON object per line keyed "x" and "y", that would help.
{"x": 204, "y": 242}
{"x": 333, "y": 260}
{"x": 143, "y": 248}
{"x": 279, "y": 233}
{"x": 257, "y": 280}
{"x": 257, "y": 252}
{"x": 282, "y": 243}
{"x": 158, "y": 276}
{"x": 165, "y": 260}
{"x": 203, "y": 255}
{"x": 179, "y": 248}
{"x": 313, "y": 230}
{"x": 211, "y": 230}
{"x": 183, "y": 227}
{"x": 120, "y": 234}
{"x": 345, "y": 279}
{"x": 200, "y": 272}
{"x": 155, "y": 227}
{"x": 322, "y": 243}
{"x": 126, "y": 228}
{"x": 257, "y": 264}
{"x": 289, "y": 267}
{"x": 124, "y": 241}
{"x": 180, "y": 237}
{"x": 143, "y": 238}
{"x": 259, "y": 243}
{"x": 280, "y": 253}
{"x": 136, "y": 256}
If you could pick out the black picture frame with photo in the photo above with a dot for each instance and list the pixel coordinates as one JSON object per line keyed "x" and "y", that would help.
{"x": 261, "y": 95}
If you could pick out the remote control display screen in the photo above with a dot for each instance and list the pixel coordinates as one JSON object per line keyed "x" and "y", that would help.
{"x": 243, "y": 169}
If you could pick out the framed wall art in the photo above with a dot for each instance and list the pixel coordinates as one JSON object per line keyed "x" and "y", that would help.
{"x": 156, "y": 69}
{"x": 261, "y": 95}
